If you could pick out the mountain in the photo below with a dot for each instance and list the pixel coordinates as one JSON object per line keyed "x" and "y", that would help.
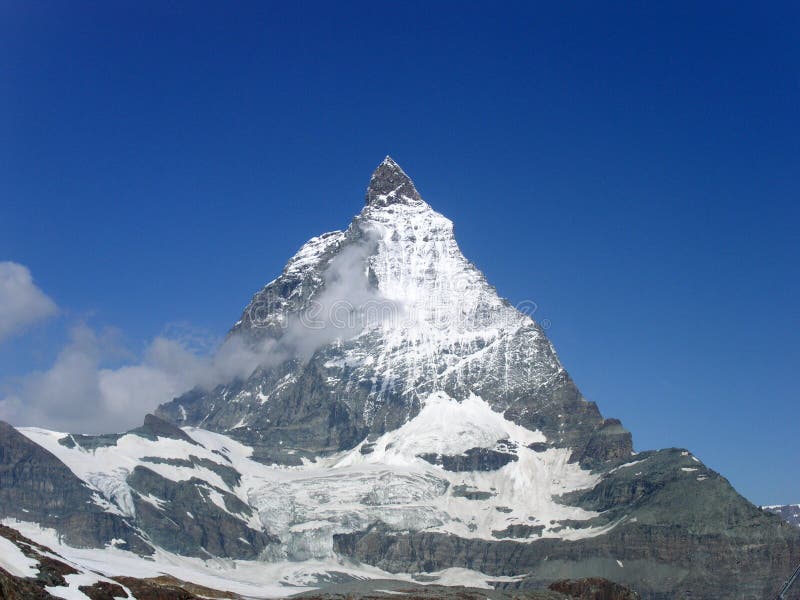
{"x": 391, "y": 417}
{"x": 789, "y": 512}
{"x": 375, "y": 319}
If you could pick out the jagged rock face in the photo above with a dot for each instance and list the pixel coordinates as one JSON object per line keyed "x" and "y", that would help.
{"x": 37, "y": 486}
{"x": 374, "y": 319}
{"x": 185, "y": 520}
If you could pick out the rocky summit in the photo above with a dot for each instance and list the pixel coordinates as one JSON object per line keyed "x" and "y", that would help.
{"x": 389, "y": 419}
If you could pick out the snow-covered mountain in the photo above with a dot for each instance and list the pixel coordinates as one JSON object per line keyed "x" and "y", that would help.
{"x": 364, "y": 324}
{"x": 392, "y": 417}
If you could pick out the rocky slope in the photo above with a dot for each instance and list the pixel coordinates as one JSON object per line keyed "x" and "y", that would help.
{"x": 397, "y": 420}
{"x": 789, "y": 512}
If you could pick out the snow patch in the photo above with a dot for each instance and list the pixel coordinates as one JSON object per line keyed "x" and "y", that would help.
{"x": 14, "y": 561}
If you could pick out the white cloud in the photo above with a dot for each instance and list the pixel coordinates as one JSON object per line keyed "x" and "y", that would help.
{"x": 347, "y": 304}
{"x": 80, "y": 393}
{"x": 21, "y": 302}
{"x": 85, "y": 392}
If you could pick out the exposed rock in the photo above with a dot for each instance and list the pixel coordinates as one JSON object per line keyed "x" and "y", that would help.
{"x": 145, "y": 589}
{"x": 182, "y": 517}
{"x": 19, "y": 588}
{"x": 334, "y": 398}
{"x": 610, "y": 441}
{"x": 103, "y": 590}
{"x": 469, "y": 493}
{"x": 36, "y": 486}
{"x": 473, "y": 459}
{"x": 390, "y": 184}
{"x": 788, "y": 512}
{"x": 229, "y": 475}
{"x": 519, "y": 531}
{"x": 52, "y": 572}
{"x": 90, "y": 442}
{"x": 340, "y": 396}
{"x": 170, "y": 588}
{"x": 155, "y": 427}
{"x": 594, "y": 588}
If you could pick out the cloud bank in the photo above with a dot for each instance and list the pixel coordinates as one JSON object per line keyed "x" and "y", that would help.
{"x": 84, "y": 391}
{"x": 21, "y": 302}
{"x": 79, "y": 393}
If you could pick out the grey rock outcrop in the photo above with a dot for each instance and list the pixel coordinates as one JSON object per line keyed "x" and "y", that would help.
{"x": 36, "y": 486}
{"x": 181, "y": 517}
{"x": 788, "y": 512}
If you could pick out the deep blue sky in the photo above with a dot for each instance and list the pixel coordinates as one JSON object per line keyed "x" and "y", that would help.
{"x": 633, "y": 169}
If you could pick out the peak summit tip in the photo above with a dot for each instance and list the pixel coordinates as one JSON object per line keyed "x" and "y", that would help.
{"x": 389, "y": 184}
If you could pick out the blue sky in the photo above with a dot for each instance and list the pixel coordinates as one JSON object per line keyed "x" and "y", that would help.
{"x": 631, "y": 169}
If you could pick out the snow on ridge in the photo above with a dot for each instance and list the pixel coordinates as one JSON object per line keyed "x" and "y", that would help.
{"x": 444, "y": 426}
{"x": 626, "y": 465}
{"x": 309, "y": 253}
{"x": 106, "y": 468}
{"x": 14, "y": 561}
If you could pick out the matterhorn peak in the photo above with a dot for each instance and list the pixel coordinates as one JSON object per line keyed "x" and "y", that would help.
{"x": 381, "y": 409}
{"x": 389, "y": 184}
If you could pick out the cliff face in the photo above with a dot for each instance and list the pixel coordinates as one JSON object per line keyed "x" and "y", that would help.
{"x": 36, "y": 486}
{"x": 788, "y": 512}
{"x": 676, "y": 529}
